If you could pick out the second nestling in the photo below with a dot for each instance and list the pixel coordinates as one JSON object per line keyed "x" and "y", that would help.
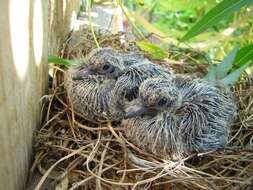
{"x": 176, "y": 117}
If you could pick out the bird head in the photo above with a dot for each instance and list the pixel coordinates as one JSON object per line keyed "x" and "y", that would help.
{"x": 105, "y": 61}
{"x": 155, "y": 95}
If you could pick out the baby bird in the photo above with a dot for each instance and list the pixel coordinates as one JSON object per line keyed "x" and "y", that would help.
{"x": 175, "y": 117}
{"x": 89, "y": 87}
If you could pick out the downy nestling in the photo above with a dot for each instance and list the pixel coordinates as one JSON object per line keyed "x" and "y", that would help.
{"x": 178, "y": 116}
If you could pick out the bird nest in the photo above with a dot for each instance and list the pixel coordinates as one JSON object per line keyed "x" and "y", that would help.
{"x": 72, "y": 153}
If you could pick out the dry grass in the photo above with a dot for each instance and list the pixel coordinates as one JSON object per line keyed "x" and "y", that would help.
{"x": 72, "y": 153}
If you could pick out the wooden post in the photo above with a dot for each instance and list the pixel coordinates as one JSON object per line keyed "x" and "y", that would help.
{"x": 62, "y": 15}
{"x": 23, "y": 81}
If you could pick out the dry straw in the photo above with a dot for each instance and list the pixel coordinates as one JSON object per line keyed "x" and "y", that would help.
{"x": 72, "y": 153}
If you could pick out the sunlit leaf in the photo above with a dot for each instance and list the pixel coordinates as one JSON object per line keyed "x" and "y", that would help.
{"x": 244, "y": 55}
{"x": 235, "y": 75}
{"x": 155, "y": 51}
{"x": 59, "y": 61}
{"x": 226, "y": 64}
{"x": 218, "y": 13}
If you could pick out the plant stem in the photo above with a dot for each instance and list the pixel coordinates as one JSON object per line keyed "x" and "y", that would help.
{"x": 90, "y": 23}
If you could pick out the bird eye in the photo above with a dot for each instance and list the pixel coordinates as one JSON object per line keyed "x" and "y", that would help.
{"x": 162, "y": 102}
{"x": 106, "y": 67}
{"x": 112, "y": 70}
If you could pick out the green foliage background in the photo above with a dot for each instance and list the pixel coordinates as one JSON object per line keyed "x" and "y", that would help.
{"x": 176, "y": 17}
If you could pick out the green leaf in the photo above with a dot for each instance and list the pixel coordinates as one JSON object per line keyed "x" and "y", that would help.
{"x": 218, "y": 13}
{"x": 226, "y": 64}
{"x": 244, "y": 55}
{"x": 155, "y": 51}
{"x": 234, "y": 76}
{"x": 212, "y": 72}
{"x": 59, "y": 61}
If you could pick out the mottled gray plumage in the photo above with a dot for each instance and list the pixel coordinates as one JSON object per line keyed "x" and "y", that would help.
{"x": 110, "y": 62}
{"x": 178, "y": 116}
{"x": 90, "y": 95}
{"x": 127, "y": 85}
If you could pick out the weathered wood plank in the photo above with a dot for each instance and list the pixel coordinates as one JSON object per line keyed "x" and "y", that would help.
{"x": 62, "y": 15}
{"x": 23, "y": 80}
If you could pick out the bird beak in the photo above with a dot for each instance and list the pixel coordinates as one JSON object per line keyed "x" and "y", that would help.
{"x": 117, "y": 74}
{"x": 136, "y": 108}
{"x": 83, "y": 73}
{"x": 137, "y": 111}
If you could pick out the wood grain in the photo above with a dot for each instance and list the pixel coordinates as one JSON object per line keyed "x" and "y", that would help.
{"x": 62, "y": 14}
{"x": 23, "y": 80}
